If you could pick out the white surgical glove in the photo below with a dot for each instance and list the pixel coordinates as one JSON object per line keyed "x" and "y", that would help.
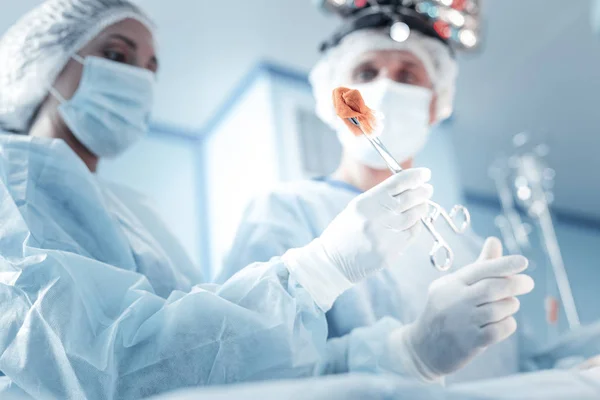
{"x": 466, "y": 312}
{"x": 369, "y": 235}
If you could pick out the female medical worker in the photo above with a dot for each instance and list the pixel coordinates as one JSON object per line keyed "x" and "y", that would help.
{"x": 92, "y": 304}
{"x": 412, "y": 83}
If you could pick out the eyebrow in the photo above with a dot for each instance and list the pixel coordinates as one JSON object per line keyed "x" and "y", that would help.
{"x": 412, "y": 64}
{"x": 125, "y": 39}
{"x": 366, "y": 63}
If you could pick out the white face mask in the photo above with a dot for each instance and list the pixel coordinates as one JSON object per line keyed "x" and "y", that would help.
{"x": 111, "y": 108}
{"x": 405, "y": 127}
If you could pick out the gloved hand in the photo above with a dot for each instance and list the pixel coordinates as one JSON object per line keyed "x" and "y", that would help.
{"x": 367, "y": 236}
{"x": 466, "y": 312}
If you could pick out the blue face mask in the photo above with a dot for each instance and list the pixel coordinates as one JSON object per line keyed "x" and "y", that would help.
{"x": 111, "y": 108}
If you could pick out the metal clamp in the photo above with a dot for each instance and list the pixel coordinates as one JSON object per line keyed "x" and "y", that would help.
{"x": 441, "y": 250}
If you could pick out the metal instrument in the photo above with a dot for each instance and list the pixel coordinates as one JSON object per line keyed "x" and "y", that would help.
{"x": 459, "y": 219}
{"x": 525, "y": 181}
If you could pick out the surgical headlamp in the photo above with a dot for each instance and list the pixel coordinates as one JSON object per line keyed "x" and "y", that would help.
{"x": 454, "y": 22}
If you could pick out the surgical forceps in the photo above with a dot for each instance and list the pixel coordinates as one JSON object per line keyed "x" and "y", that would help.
{"x": 441, "y": 249}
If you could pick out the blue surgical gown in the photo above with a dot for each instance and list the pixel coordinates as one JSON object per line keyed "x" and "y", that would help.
{"x": 92, "y": 305}
{"x": 294, "y": 214}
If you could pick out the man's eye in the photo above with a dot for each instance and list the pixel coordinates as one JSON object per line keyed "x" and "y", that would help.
{"x": 407, "y": 77}
{"x": 367, "y": 75}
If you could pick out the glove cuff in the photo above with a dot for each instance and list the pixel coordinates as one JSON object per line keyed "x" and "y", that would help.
{"x": 404, "y": 354}
{"x": 314, "y": 270}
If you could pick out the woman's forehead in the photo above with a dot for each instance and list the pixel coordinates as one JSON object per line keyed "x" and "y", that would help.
{"x": 132, "y": 29}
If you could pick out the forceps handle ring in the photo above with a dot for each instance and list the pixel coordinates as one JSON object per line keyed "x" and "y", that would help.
{"x": 457, "y": 212}
{"x": 440, "y": 250}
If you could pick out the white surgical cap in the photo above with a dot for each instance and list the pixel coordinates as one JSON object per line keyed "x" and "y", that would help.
{"x": 38, "y": 47}
{"x": 333, "y": 68}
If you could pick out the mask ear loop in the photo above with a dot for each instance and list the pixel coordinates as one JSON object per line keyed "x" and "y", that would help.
{"x": 55, "y": 92}
{"x": 78, "y": 58}
{"x": 57, "y": 95}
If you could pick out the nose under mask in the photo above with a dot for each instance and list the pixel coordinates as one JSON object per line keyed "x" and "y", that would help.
{"x": 405, "y": 127}
{"x": 110, "y": 111}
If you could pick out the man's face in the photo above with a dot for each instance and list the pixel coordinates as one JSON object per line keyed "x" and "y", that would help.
{"x": 399, "y": 66}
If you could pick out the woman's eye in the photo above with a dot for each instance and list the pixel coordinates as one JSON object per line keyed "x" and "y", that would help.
{"x": 114, "y": 55}
{"x": 367, "y": 75}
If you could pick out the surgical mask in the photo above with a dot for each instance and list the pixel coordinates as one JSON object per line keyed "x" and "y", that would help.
{"x": 111, "y": 108}
{"x": 405, "y": 126}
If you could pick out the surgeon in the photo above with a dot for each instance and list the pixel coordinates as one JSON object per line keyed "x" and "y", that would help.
{"x": 412, "y": 83}
{"x": 95, "y": 302}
